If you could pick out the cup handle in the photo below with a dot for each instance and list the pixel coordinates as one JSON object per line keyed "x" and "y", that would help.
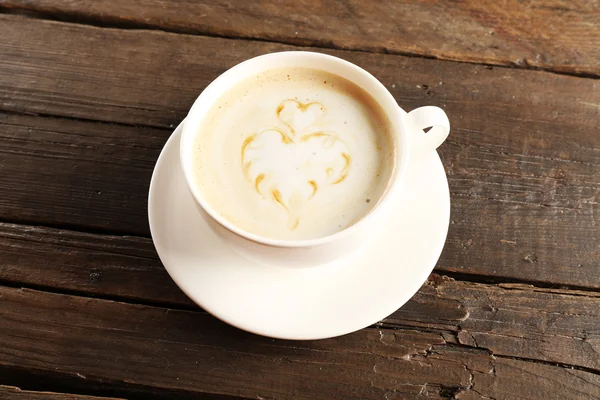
{"x": 425, "y": 117}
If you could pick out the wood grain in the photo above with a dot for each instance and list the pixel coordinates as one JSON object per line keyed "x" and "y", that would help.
{"x": 39, "y": 380}
{"x": 14, "y": 393}
{"x": 104, "y": 340}
{"x": 558, "y": 35}
{"x": 510, "y": 320}
{"x": 525, "y": 208}
{"x": 85, "y": 175}
{"x": 506, "y": 320}
{"x": 120, "y": 267}
{"x": 525, "y": 200}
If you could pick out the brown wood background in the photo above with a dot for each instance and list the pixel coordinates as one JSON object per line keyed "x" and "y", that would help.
{"x": 91, "y": 90}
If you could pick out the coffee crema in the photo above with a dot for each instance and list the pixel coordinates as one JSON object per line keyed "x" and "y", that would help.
{"x": 294, "y": 153}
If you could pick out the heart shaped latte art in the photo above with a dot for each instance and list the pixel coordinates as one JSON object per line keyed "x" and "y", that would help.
{"x": 291, "y": 166}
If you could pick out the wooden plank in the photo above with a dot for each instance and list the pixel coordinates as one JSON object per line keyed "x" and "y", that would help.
{"x": 182, "y": 350}
{"x": 500, "y": 384}
{"x": 86, "y": 175}
{"x": 14, "y": 393}
{"x": 524, "y": 199}
{"x": 151, "y": 77}
{"x": 514, "y": 320}
{"x": 507, "y": 320}
{"x": 121, "y": 267}
{"x": 133, "y": 77}
{"x": 560, "y": 35}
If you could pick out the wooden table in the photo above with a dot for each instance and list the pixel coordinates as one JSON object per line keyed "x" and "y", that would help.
{"x": 90, "y": 91}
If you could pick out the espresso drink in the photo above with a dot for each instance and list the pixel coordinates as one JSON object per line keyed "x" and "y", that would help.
{"x": 294, "y": 153}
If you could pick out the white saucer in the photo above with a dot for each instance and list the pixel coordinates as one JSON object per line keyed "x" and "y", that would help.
{"x": 300, "y": 303}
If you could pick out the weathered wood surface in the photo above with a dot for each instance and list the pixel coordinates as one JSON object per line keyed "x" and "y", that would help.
{"x": 510, "y": 319}
{"x": 560, "y": 35}
{"x": 525, "y": 199}
{"x": 97, "y": 339}
{"x": 57, "y": 381}
{"x": 123, "y": 267}
{"x": 507, "y": 320}
{"x": 85, "y": 175}
{"x": 14, "y": 393}
{"x": 84, "y": 112}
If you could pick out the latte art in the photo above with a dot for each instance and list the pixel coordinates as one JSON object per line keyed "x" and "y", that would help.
{"x": 294, "y": 154}
{"x": 318, "y": 158}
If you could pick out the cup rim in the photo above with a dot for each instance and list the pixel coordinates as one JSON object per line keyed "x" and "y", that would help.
{"x": 400, "y": 161}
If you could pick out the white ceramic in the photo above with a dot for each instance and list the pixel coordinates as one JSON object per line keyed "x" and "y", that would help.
{"x": 301, "y": 303}
{"x": 409, "y": 138}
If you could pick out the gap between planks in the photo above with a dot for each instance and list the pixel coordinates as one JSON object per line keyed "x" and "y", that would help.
{"x": 46, "y": 385}
{"x": 82, "y": 119}
{"x": 10, "y": 392}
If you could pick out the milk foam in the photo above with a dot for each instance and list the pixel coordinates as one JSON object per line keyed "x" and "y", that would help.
{"x": 294, "y": 154}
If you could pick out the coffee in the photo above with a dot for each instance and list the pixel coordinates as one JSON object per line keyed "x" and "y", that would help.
{"x": 294, "y": 153}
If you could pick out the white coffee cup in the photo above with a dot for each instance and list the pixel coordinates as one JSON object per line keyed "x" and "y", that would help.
{"x": 409, "y": 138}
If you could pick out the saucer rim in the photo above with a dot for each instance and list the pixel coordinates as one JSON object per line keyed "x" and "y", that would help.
{"x": 420, "y": 278}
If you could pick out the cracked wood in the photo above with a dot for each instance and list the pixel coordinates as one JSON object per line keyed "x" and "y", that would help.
{"x": 510, "y": 320}
{"x": 558, "y": 35}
